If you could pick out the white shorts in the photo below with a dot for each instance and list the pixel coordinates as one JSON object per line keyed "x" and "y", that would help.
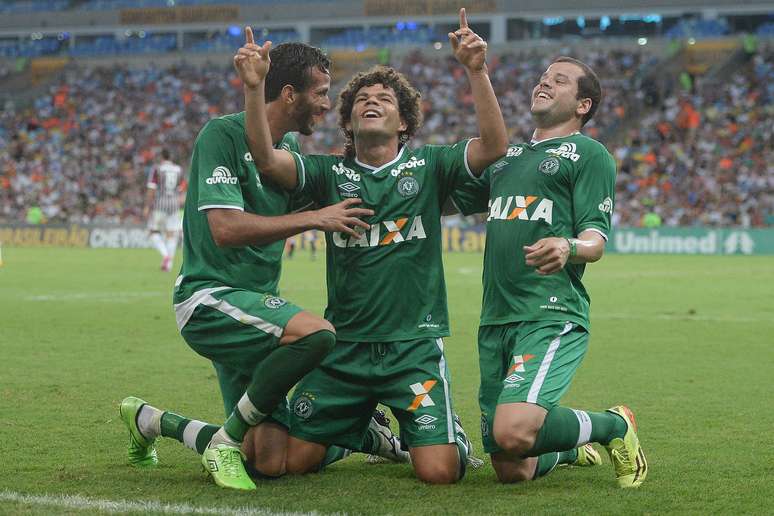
{"x": 161, "y": 221}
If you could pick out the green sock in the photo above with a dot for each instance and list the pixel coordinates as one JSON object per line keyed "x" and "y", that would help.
{"x": 548, "y": 461}
{"x": 334, "y": 454}
{"x": 274, "y": 377}
{"x": 194, "y": 434}
{"x": 565, "y": 429}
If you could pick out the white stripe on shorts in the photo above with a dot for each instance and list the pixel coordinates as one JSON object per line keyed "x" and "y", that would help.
{"x": 585, "y": 427}
{"x": 537, "y": 384}
{"x": 184, "y": 311}
{"x": 447, "y": 398}
{"x": 191, "y": 432}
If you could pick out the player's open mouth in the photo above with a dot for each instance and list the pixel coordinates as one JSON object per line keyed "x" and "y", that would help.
{"x": 370, "y": 113}
{"x": 543, "y": 95}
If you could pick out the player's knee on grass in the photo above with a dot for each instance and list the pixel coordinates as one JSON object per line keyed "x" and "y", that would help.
{"x": 516, "y": 426}
{"x": 436, "y": 464}
{"x": 265, "y": 449}
{"x": 511, "y": 469}
{"x": 304, "y": 324}
{"x": 304, "y": 457}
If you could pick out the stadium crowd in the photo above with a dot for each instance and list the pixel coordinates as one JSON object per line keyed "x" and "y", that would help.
{"x": 83, "y": 151}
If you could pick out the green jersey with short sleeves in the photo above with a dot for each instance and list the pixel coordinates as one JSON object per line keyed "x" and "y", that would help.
{"x": 223, "y": 175}
{"x": 558, "y": 187}
{"x": 388, "y": 284}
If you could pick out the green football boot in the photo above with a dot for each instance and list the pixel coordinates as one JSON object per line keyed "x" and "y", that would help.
{"x": 587, "y": 456}
{"x": 626, "y": 454}
{"x": 224, "y": 464}
{"x": 142, "y": 452}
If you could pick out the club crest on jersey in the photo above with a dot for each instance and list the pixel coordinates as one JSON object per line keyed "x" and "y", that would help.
{"x": 303, "y": 407}
{"x": 514, "y": 207}
{"x": 408, "y": 186}
{"x": 549, "y": 166}
{"x": 221, "y": 176}
{"x": 566, "y": 150}
{"x": 386, "y": 232}
{"x": 274, "y": 302}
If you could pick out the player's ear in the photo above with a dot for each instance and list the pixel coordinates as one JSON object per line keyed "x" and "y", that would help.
{"x": 288, "y": 94}
{"x": 584, "y": 105}
{"x": 403, "y": 125}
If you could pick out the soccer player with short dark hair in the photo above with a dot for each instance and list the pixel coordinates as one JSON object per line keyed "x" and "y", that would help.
{"x": 227, "y": 303}
{"x": 550, "y": 203}
{"x": 386, "y": 291}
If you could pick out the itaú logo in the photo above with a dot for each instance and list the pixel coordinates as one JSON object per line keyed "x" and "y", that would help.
{"x": 521, "y": 207}
{"x": 386, "y": 232}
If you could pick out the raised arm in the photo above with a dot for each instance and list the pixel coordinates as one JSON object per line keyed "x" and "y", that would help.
{"x": 470, "y": 51}
{"x": 252, "y": 64}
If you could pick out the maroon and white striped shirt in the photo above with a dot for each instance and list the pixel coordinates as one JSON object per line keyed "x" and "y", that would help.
{"x": 167, "y": 180}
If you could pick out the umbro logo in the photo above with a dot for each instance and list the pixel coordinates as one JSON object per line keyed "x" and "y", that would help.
{"x": 566, "y": 150}
{"x": 349, "y": 189}
{"x": 212, "y": 465}
{"x": 426, "y": 419}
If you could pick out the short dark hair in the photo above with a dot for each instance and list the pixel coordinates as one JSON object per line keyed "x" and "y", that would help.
{"x": 588, "y": 86}
{"x": 165, "y": 154}
{"x": 292, "y": 63}
{"x": 409, "y": 98}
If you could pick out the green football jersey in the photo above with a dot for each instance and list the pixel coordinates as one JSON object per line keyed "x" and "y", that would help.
{"x": 558, "y": 187}
{"x": 388, "y": 284}
{"x": 223, "y": 175}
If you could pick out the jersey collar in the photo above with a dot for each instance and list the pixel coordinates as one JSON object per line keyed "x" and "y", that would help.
{"x": 376, "y": 170}
{"x": 535, "y": 142}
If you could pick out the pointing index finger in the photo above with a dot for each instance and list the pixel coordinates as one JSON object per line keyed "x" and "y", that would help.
{"x": 463, "y": 19}
{"x": 249, "y": 35}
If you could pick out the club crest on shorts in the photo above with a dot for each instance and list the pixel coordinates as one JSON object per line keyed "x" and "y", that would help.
{"x": 549, "y": 166}
{"x": 274, "y": 302}
{"x": 408, "y": 186}
{"x": 303, "y": 407}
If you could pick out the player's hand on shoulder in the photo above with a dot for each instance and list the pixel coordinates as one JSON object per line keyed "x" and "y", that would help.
{"x": 343, "y": 217}
{"x": 468, "y": 47}
{"x": 252, "y": 61}
{"x": 547, "y": 255}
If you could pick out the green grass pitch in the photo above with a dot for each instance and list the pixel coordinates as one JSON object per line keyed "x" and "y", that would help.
{"x": 686, "y": 342}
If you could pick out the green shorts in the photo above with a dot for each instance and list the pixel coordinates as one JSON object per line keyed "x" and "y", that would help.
{"x": 532, "y": 362}
{"x": 334, "y": 403}
{"x": 236, "y": 329}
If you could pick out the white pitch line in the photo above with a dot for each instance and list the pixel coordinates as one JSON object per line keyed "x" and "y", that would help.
{"x": 75, "y": 502}
{"x": 682, "y": 317}
{"x": 115, "y": 297}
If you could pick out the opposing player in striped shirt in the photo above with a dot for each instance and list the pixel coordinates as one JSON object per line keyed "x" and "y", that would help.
{"x": 166, "y": 187}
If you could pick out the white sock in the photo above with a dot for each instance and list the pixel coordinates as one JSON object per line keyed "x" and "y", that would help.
{"x": 191, "y": 432}
{"x": 158, "y": 243}
{"x": 149, "y": 421}
{"x": 172, "y": 246}
{"x": 221, "y": 437}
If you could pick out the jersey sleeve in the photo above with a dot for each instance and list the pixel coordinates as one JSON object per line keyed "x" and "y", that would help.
{"x": 216, "y": 170}
{"x": 472, "y": 196}
{"x": 290, "y": 143}
{"x": 594, "y": 193}
{"x": 314, "y": 177}
{"x": 452, "y": 166}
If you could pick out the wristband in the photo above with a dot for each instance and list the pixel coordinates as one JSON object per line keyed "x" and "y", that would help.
{"x": 573, "y": 247}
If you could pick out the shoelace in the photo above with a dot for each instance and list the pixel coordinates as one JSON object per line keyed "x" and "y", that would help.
{"x": 623, "y": 456}
{"x": 231, "y": 459}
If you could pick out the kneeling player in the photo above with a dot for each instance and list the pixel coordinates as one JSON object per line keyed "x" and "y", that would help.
{"x": 550, "y": 203}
